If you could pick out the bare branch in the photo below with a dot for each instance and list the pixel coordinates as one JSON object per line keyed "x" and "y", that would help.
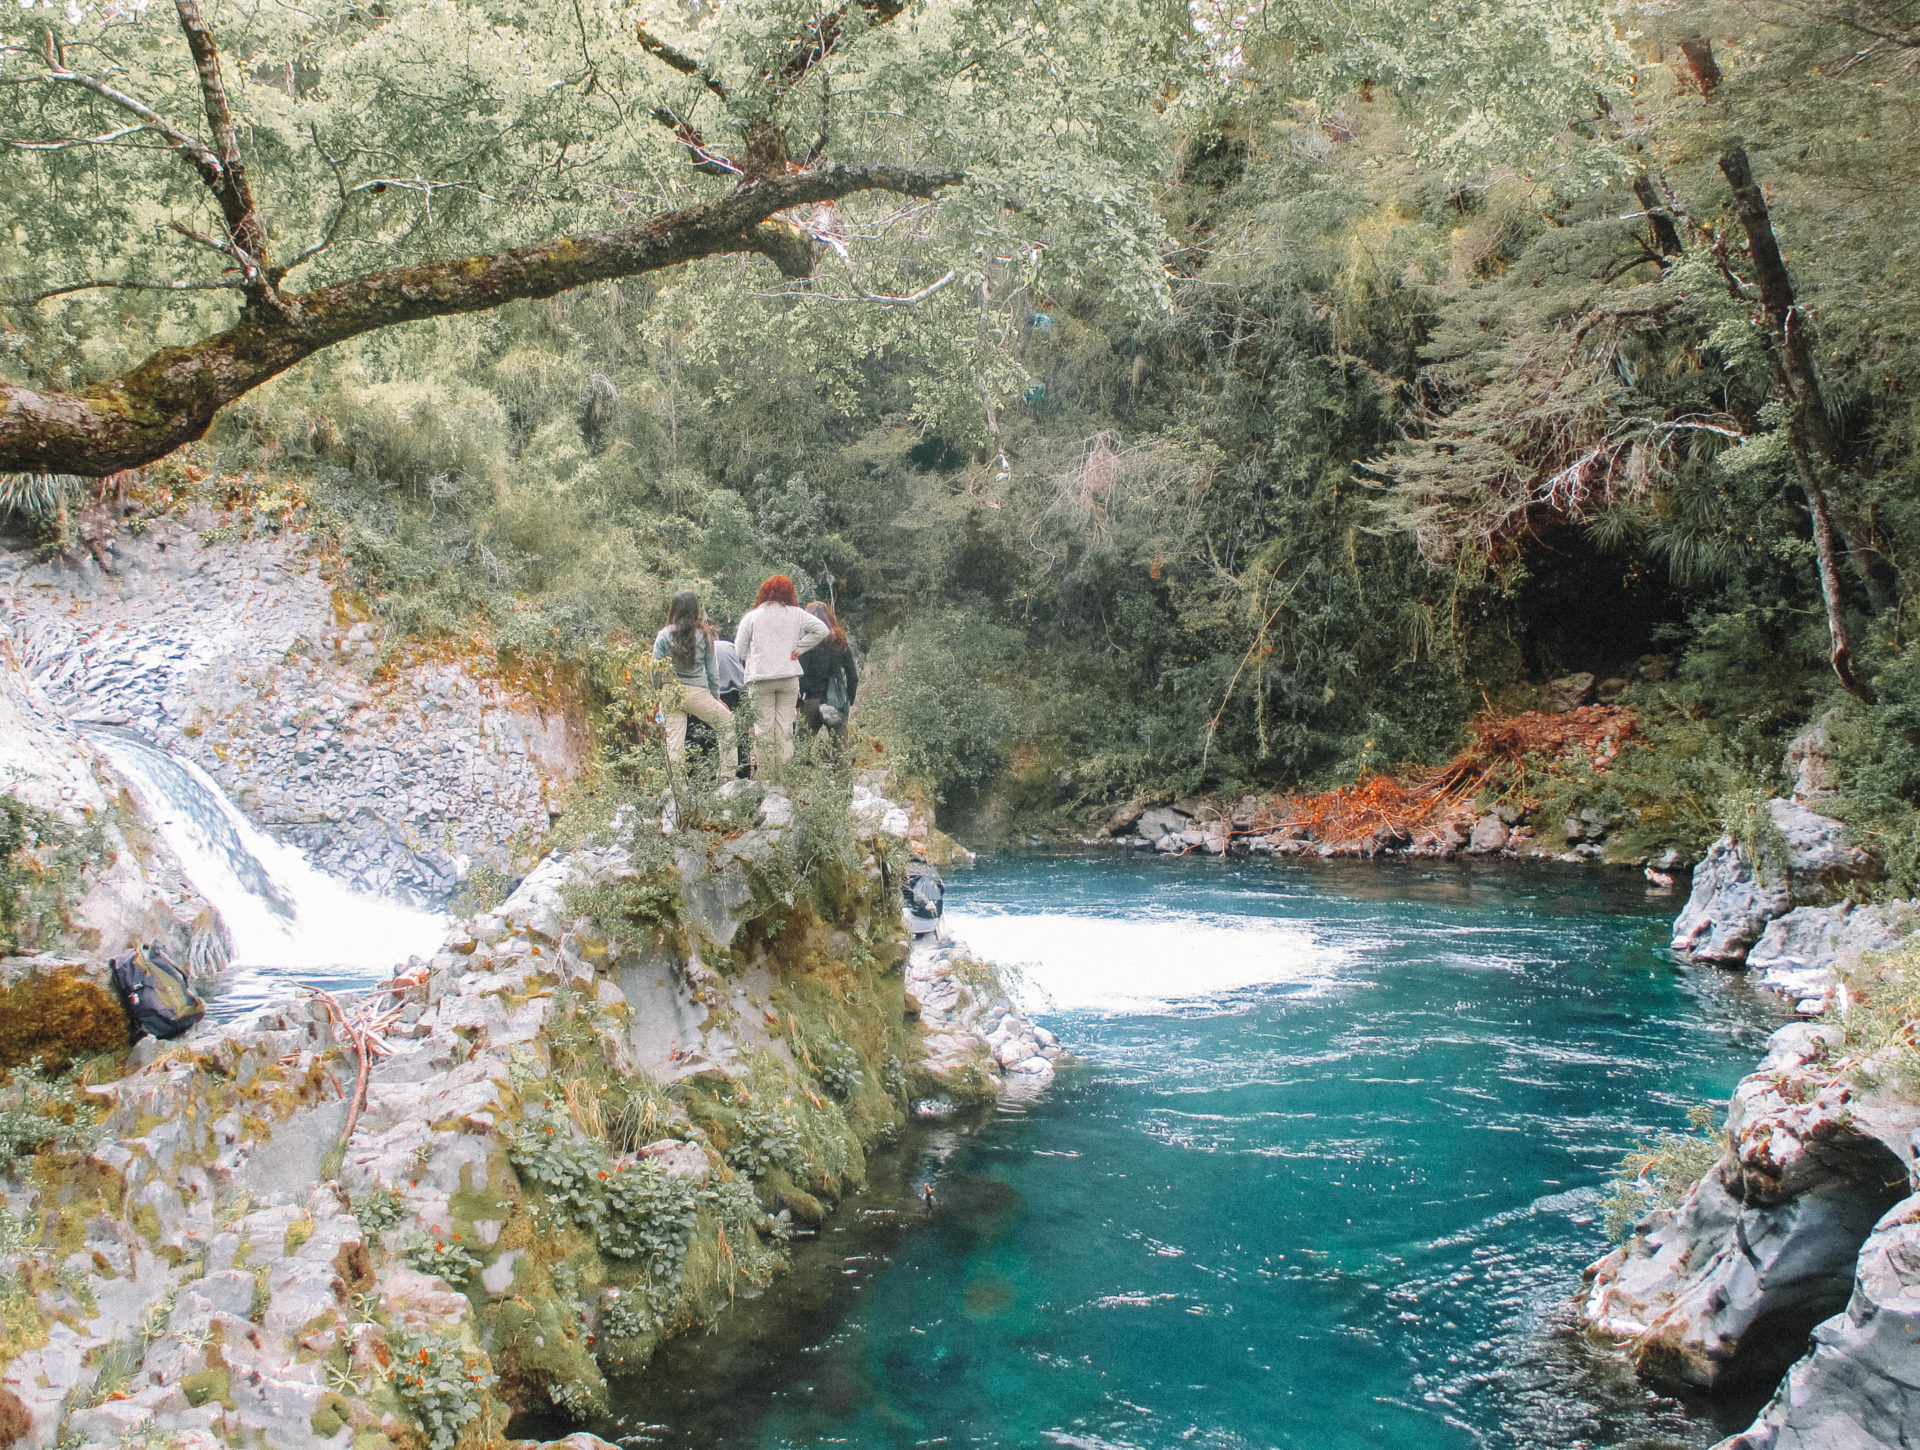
{"x": 679, "y": 60}
{"x": 225, "y": 247}
{"x": 125, "y": 285}
{"x": 195, "y": 151}
{"x": 65, "y": 141}
{"x": 823, "y": 37}
{"x": 699, "y": 155}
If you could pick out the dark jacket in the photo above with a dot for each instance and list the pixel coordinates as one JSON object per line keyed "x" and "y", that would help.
{"x": 818, "y": 667}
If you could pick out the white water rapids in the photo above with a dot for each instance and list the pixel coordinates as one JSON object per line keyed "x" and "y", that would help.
{"x": 287, "y": 919}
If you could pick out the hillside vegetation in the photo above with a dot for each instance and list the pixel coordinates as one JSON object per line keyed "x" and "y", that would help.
{"x": 1413, "y": 387}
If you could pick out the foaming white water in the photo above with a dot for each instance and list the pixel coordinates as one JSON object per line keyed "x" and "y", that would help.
{"x": 1147, "y": 963}
{"x": 281, "y": 912}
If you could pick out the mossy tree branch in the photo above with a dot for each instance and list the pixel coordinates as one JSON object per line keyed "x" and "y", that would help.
{"x": 172, "y": 397}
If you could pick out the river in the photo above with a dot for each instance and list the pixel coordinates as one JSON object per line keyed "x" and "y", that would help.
{"x": 1324, "y": 1177}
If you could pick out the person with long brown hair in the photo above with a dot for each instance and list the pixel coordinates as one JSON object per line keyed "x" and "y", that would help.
{"x": 687, "y": 644}
{"x": 771, "y": 638}
{"x": 828, "y": 678}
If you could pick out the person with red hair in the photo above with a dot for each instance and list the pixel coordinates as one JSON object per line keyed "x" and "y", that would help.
{"x": 770, "y": 640}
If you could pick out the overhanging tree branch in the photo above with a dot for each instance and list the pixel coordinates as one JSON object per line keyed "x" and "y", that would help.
{"x": 172, "y": 397}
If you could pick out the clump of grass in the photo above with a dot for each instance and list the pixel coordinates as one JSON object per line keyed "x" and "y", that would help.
{"x": 1882, "y": 1026}
{"x": 1661, "y": 1173}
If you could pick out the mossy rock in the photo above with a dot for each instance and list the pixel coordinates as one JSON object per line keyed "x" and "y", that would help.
{"x": 58, "y": 1011}
{"x": 212, "y": 1386}
{"x": 332, "y": 1416}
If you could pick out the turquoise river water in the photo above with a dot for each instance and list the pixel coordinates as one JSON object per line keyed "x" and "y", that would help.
{"x": 1324, "y": 1176}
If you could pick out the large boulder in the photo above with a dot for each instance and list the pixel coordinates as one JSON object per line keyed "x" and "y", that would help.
{"x": 1489, "y": 835}
{"x": 1162, "y": 821}
{"x": 1569, "y": 692}
{"x": 1860, "y": 1387}
{"x": 1810, "y": 762}
{"x": 1734, "y": 896}
{"x": 1730, "y": 905}
{"x": 1723, "y": 1290}
{"x": 1797, "y": 953}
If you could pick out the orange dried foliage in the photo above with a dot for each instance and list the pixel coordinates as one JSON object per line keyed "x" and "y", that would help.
{"x": 1389, "y": 807}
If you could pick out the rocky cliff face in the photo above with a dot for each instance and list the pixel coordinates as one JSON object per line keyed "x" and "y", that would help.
{"x": 395, "y": 773}
{"x": 587, "y": 1123}
{"x": 1805, "y": 1227}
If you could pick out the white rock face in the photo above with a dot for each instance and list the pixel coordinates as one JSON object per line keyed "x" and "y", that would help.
{"x": 1734, "y": 898}
{"x": 975, "y": 1040}
{"x": 1729, "y": 908}
{"x": 1797, "y": 953}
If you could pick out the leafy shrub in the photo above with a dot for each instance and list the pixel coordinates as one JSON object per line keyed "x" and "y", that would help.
{"x": 567, "y": 1170}
{"x": 40, "y": 863}
{"x": 447, "y": 1259}
{"x": 941, "y": 702}
{"x": 764, "y": 1139}
{"x": 439, "y": 1383}
{"x": 38, "y": 1112}
{"x": 649, "y": 1214}
{"x": 1659, "y": 1174}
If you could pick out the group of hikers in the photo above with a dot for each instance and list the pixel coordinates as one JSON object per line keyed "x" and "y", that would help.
{"x": 794, "y": 664}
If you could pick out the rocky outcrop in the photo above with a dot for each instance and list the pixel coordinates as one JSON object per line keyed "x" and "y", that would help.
{"x": 979, "y": 1047}
{"x": 398, "y": 773}
{"x": 1860, "y": 1387}
{"x": 1798, "y": 953}
{"x": 1725, "y": 1288}
{"x": 1737, "y": 891}
{"x": 591, "y": 1119}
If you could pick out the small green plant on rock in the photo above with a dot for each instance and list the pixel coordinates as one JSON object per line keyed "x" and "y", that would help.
{"x": 764, "y": 1139}
{"x": 1660, "y": 1174}
{"x": 377, "y": 1210}
{"x": 441, "y": 1385}
{"x": 838, "y": 1067}
{"x": 443, "y": 1257}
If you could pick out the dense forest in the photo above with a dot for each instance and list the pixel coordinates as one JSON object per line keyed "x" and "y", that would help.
{"x": 1279, "y": 391}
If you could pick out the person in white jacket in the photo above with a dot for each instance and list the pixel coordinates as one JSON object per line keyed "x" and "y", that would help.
{"x": 770, "y": 640}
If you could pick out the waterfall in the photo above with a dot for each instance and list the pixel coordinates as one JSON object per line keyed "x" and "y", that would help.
{"x": 286, "y": 918}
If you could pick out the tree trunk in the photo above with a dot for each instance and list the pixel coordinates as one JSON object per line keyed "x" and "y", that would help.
{"x": 1810, "y": 434}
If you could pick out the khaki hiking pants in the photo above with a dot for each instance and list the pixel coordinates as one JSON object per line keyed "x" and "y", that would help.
{"x": 702, "y": 706}
{"x": 773, "y": 707}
